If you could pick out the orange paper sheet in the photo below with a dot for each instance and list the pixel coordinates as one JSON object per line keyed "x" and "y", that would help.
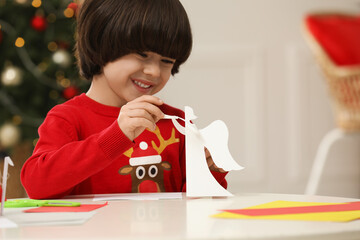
{"x": 339, "y": 216}
{"x": 351, "y": 206}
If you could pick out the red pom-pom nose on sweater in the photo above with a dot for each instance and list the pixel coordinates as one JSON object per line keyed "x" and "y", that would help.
{"x": 148, "y": 186}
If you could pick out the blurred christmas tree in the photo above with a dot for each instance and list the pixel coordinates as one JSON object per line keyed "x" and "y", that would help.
{"x": 37, "y": 66}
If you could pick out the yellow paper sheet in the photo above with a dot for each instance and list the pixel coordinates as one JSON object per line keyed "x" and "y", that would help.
{"x": 344, "y": 216}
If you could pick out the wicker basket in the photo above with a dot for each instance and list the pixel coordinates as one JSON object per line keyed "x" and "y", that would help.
{"x": 343, "y": 83}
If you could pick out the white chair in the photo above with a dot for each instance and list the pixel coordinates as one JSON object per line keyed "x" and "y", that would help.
{"x": 344, "y": 87}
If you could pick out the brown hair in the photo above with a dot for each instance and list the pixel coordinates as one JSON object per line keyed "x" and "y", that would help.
{"x": 110, "y": 29}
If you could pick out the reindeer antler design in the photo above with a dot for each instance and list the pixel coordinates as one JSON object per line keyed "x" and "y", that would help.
{"x": 163, "y": 143}
{"x": 128, "y": 152}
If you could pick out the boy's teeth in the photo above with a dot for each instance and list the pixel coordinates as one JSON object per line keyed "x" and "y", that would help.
{"x": 142, "y": 84}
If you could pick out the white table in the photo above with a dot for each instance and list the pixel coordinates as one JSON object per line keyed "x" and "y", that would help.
{"x": 189, "y": 219}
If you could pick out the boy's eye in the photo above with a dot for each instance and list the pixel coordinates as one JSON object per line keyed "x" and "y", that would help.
{"x": 168, "y": 61}
{"x": 144, "y": 55}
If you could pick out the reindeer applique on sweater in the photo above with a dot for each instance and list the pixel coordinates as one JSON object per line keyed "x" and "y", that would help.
{"x": 146, "y": 167}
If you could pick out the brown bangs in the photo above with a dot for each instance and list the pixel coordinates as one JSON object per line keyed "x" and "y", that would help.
{"x": 115, "y": 28}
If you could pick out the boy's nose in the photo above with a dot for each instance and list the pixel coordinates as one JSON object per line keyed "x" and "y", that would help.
{"x": 152, "y": 68}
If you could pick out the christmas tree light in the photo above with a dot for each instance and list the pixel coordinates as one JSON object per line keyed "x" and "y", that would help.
{"x": 37, "y": 65}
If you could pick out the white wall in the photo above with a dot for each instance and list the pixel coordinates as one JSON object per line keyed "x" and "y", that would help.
{"x": 251, "y": 68}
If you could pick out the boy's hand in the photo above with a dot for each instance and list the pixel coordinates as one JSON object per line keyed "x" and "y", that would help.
{"x": 211, "y": 163}
{"x": 139, "y": 114}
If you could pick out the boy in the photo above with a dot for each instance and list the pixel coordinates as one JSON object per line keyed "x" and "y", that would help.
{"x": 113, "y": 138}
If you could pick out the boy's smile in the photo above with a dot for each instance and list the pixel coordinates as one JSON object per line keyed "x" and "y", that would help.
{"x": 130, "y": 77}
{"x": 142, "y": 85}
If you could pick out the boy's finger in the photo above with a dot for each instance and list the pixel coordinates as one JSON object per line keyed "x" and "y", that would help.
{"x": 207, "y": 153}
{"x": 143, "y": 123}
{"x": 140, "y": 113}
{"x": 153, "y": 110}
{"x": 150, "y": 99}
{"x": 209, "y": 161}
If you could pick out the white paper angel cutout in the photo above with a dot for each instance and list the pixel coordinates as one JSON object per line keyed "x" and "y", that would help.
{"x": 199, "y": 180}
{"x": 7, "y": 162}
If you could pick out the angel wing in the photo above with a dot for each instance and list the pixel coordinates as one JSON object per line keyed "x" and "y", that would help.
{"x": 215, "y": 137}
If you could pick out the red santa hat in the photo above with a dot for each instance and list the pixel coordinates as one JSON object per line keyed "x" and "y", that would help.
{"x": 144, "y": 155}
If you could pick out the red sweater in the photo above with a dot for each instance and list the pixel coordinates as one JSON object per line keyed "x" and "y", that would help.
{"x": 81, "y": 150}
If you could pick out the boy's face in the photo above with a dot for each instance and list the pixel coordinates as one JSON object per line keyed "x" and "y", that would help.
{"x": 134, "y": 75}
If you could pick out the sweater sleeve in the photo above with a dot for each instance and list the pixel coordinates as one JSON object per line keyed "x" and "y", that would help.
{"x": 220, "y": 177}
{"x": 60, "y": 160}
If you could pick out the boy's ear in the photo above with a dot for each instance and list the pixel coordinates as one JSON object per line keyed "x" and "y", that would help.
{"x": 126, "y": 170}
